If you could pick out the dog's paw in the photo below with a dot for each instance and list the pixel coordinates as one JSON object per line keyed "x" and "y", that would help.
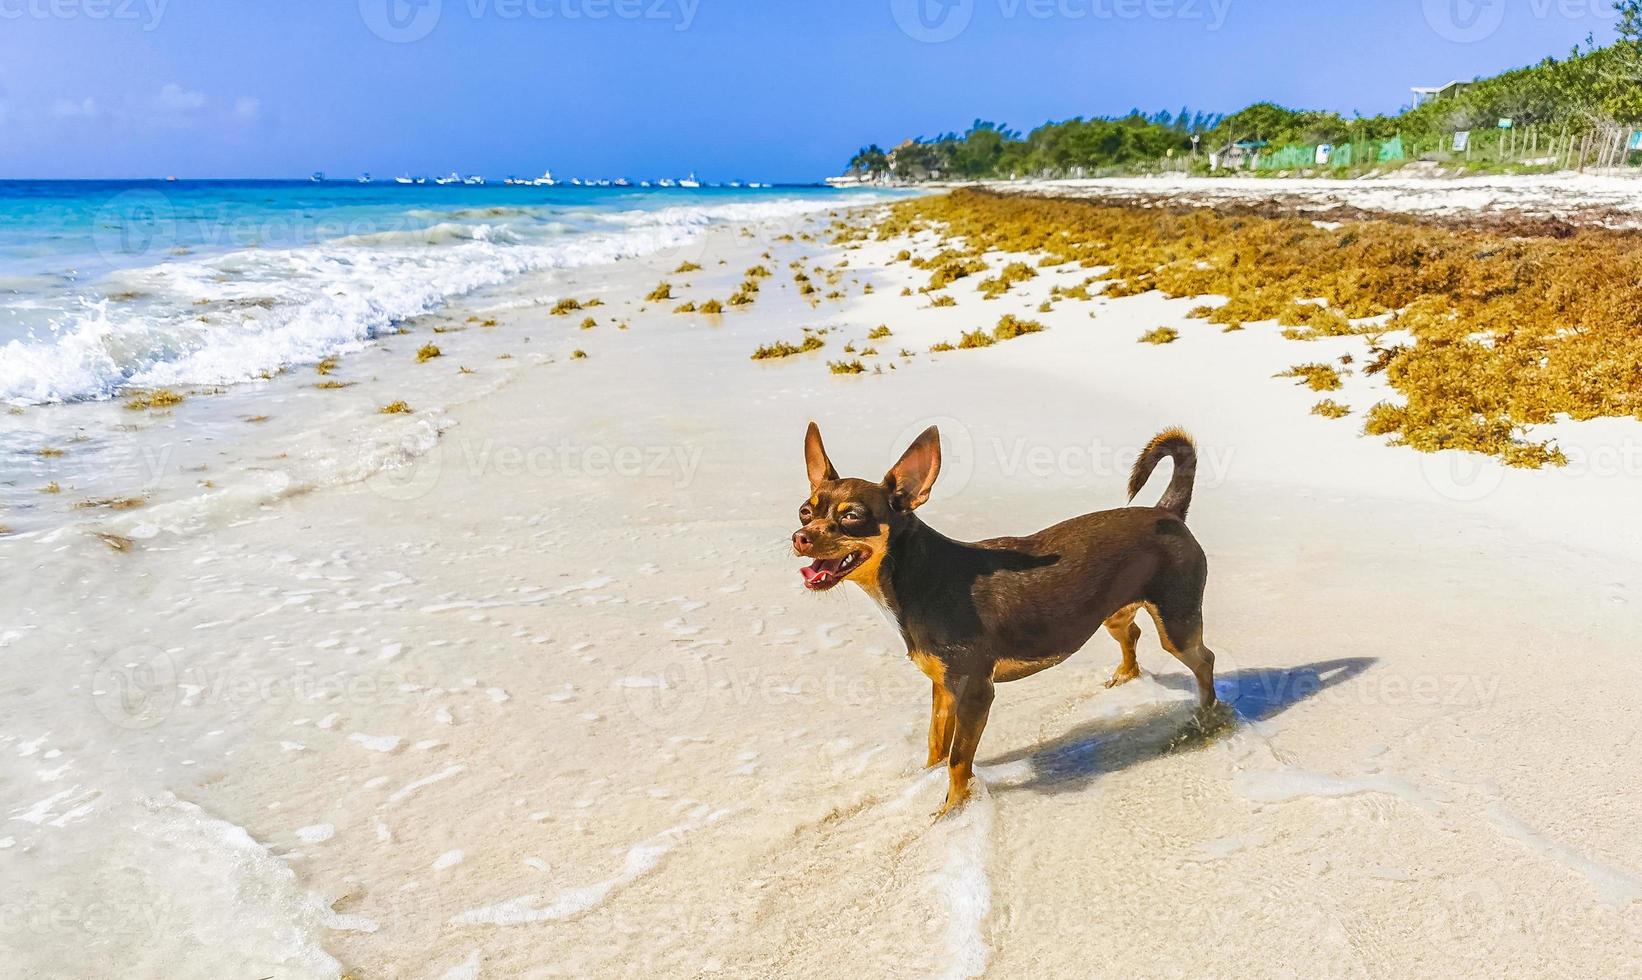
{"x": 1121, "y": 676}
{"x": 952, "y": 805}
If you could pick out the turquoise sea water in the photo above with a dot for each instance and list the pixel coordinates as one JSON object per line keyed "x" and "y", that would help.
{"x": 109, "y": 285}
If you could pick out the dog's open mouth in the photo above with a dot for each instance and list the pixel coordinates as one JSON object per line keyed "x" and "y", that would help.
{"x": 828, "y": 572}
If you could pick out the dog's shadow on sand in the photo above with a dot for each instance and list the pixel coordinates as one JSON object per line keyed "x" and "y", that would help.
{"x": 1072, "y": 760}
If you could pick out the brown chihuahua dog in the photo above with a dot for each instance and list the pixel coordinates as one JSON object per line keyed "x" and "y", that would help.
{"x": 978, "y": 614}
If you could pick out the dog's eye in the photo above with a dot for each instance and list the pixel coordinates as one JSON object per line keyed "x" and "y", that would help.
{"x": 805, "y": 514}
{"x": 853, "y": 516}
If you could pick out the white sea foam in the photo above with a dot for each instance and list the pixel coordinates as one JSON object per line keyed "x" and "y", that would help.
{"x": 1616, "y": 887}
{"x": 964, "y": 887}
{"x": 178, "y": 893}
{"x": 1285, "y": 785}
{"x": 265, "y": 309}
{"x": 376, "y": 743}
{"x": 641, "y": 859}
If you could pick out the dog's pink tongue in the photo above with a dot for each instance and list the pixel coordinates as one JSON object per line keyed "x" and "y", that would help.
{"x": 818, "y": 571}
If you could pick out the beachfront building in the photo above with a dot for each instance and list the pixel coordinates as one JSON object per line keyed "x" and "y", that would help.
{"x": 1236, "y": 156}
{"x": 1423, "y": 95}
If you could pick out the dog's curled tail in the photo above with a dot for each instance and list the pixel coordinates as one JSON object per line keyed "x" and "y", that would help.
{"x": 1176, "y": 444}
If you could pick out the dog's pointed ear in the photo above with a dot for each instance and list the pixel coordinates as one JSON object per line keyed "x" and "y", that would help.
{"x": 815, "y": 458}
{"x": 910, "y": 480}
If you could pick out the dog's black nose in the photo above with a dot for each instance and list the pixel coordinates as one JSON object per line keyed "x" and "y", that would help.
{"x": 800, "y": 542}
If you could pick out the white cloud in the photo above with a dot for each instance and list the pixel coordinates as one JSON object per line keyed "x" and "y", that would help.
{"x": 175, "y": 98}
{"x": 86, "y": 108}
{"x": 246, "y": 108}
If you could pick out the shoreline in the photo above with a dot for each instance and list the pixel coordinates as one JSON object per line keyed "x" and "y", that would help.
{"x": 520, "y": 705}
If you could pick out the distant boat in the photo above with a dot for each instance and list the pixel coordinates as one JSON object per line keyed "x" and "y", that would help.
{"x": 475, "y": 179}
{"x": 403, "y": 180}
{"x": 318, "y": 177}
{"x": 365, "y": 178}
{"x": 575, "y": 182}
{"x": 755, "y": 183}
{"x": 690, "y": 182}
{"x": 604, "y": 182}
{"x": 452, "y": 178}
{"x": 421, "y": 180}
{"x": 171, "y": 179}
{"x": 666, "y": 182}
{"x": 644, "y": 183}
{"x": 734, "y": 183}
{"x": 545, "y": 180}
{"x": 623, "y": 182}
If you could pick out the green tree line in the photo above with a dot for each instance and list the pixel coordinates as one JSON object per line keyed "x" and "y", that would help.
{"x": 1592, "y": 88}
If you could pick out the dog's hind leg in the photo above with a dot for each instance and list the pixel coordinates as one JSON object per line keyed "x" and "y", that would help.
{"x": 1123, "y": 629}
{"x": 1181, "y": 633}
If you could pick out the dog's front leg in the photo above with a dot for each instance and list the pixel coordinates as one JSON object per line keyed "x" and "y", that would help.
{"x": 941, "y": 723}
{"x": 972, "y": 702}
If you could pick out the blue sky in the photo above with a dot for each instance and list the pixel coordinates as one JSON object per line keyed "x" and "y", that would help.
{"x": 730, "y": 88}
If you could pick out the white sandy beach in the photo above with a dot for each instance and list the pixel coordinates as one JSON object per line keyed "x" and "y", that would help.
{"x": 548, "y": 699}
{"x": 1594, "y": 197}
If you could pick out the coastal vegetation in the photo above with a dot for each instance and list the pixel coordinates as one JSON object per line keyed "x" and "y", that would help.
{"x": 1010, "y": 326}
{"x": 1317, "y": 377}
{"x": 1592, "y": 91}
{"x": 1492, "y": 333}
{"x": 159, "y": 398}
{"x": 110, "y": 503}
{"x": 781, "y": 348}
